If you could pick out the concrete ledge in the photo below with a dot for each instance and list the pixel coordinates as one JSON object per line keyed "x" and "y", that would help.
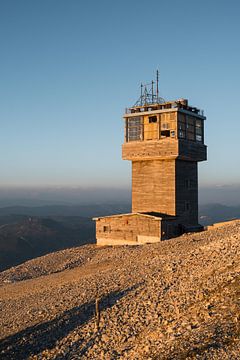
{"x": 148, "y": 239}
{"x": 114, "y": 242}
{"x": 141, "y": 239}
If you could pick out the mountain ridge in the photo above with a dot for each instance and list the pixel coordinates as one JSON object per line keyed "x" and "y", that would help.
{"x": 26, "y": 237}
{"x": 73, "y": 227}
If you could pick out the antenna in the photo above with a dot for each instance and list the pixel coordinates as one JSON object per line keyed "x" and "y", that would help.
{"x": 152, "y": 92}
{"x": 145, "y": 95}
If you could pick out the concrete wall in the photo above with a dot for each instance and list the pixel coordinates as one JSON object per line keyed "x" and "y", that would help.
{"x": 150, "y": 150}
{"x": 127, "y": 229}
{"x": 187, "y": 192}
{"x": 170, "y": 228}
{"x": 153, "y": 186}
{"x": 193, "y": 151}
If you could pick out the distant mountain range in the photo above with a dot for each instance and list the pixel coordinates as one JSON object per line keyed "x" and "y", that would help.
{"x": 211, "y": 213}
{"x": 25, "y": 237}
{"x": 29, "y": 232}
{"x": 208, "y": 213}
{"x": 67, "y": 210}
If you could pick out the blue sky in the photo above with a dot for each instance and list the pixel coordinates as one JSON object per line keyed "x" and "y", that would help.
{"x": 69, "y": 68}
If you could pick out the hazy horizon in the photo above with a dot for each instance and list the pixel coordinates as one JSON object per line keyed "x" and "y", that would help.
{"x": 61, "y": 195}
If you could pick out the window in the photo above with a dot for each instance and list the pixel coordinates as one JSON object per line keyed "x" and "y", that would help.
{"x": 165, "y": 133}
{"x": 182, "y": 134}
{"x": 152, "y": 119}
{"x": 199, "y": 131}
{"x": 190, "y": 126}
{"x": 134, "y": 128}
{"x": 182, "y": 127}
{"x": 106, "y": 228}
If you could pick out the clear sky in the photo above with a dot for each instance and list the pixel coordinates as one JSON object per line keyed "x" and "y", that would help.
{"x": 68, "y": 68}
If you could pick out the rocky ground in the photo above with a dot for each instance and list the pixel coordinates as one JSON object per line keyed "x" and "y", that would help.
{"x": 179, "y": 299}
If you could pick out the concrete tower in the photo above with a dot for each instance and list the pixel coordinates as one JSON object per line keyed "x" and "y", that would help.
{"x": 164, "y": 141}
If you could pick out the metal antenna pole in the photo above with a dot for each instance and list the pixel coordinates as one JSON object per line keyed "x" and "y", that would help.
{"x": 157, "y": 84}
{"x": 152, "y": 91}
{"x": 141, "y": 94}
{"x": 145, "y": 95}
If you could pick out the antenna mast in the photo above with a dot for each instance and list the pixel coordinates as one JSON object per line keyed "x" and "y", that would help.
{"x": 150, "y": 94}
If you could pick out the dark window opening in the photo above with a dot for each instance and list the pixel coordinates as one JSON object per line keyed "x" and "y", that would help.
{"x": 106, "y": 228}
{"x": 190, "y": 128}
{"x": 152, "y": 119}
{"x": 182, "y": 129}
{"x": 165, "y": 133}
{"x": 199, "y": 130}
{"x": 182, "y": 134}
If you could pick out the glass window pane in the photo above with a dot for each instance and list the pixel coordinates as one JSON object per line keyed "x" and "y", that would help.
{"x": 135, "y": 128}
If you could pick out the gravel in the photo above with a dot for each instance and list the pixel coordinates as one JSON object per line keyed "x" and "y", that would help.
{"x": 178, "y": 299}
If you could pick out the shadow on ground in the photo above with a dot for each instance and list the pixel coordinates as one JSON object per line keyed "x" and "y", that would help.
{"x": 37, "y": 338}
